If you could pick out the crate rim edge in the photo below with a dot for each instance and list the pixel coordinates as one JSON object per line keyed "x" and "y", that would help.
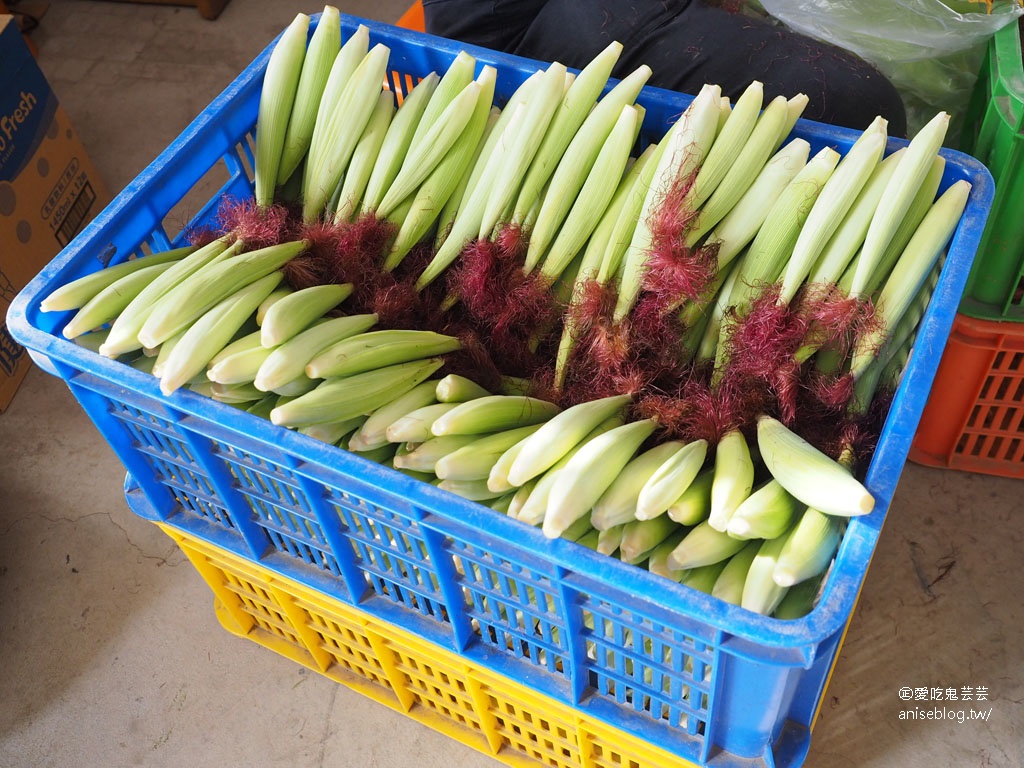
{"x": 839, "y": 598}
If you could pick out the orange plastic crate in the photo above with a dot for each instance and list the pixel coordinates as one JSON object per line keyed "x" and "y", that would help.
{"x": 974, "y": 418}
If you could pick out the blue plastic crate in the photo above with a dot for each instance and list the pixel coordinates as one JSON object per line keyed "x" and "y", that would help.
{"x": 705, "y": 680}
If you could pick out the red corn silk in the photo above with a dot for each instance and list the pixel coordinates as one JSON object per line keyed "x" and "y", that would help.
{"x": 835, "y": 320}
{"x": 256, "y": 226}
{"x": 674, "y": 272}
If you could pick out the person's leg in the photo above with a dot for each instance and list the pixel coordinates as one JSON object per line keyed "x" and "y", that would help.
{"x": 687, "y": 44}
{"x": 495, "y": 24}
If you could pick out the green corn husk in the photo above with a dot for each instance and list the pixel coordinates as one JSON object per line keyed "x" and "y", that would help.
{"x": 657, "y": 558}
{"x": 454, "y": 388}
{"x": 685, "y": 148}
{"x": 733, "y": 478}
{"x": 575, "y": 109}
{"x": 429, "y": 201}
{"x": 694, "y": 505}
{"x": 898, "y": 196}
{"x": 766, "y": 513}
{"x": 375, "y": 349}
{"x": 288, "y": 361}
{"x": 703, "y": 545}
{"x": 373, "y": 431}
{"x": 703, "y": 578}
{"x": 414, "y": 427}
{"x": 729, "y": 585}
{"x": 617, "y": 504}
{"x": 743, "y": 172}
{"x": 809, "y": 548}
{"x": 294, "y": 313}
{"x": 494, "y": 413}
{"x": 590, "y": 472}
{"x": 106, "y": 305}
{"x": 361, "y": 394}
{"x": 323, "y": 49}
{"x": 212, "y": 331}
{"x": 423, "y": 456}
{"x": 741, "y": 224}
{"x": 609, "y": 539}
{"x": 733, "y": 136}
{"x": 280, "y": 84}
{"x": 561, "y": 433}
{"x": 332, "y": 432}
{"x": 77, "y": 293}
{"x": 275, "y": 296}
{"x": 397, "y": 140}
{"x": 180, "y": 306}
{"x": 671, "y": 480}
{"x": 799, "y": 600}
{"x": 424, "y": 157}
{"x": 641, "y": 537}
{"x": 476, "y": 460}
{"x": 593, "y": 199}
{"x": 331, "y": 150}
{"x": 760, "y": 592}
{"x": 364, "y": 158}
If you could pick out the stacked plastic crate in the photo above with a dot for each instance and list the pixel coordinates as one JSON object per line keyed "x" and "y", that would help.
{"x": 974, "y": 419}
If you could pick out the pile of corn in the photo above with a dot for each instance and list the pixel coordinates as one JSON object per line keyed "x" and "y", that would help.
{"x": 724, "y": 226}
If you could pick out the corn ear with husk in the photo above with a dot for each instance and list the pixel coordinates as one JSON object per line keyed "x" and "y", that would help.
{"x": 294, "y": 313}
{"x": 760, "y": 592}
{"x": 476, "y": 460}
{"x": 357, "y": 395}
{"x": 375, "y": 349}
{"x": 185, "y": 302}
{"x": 280, "y": 83}
{"x": 729, "y": 584}
{"x": 733, "y": 478}
{"x": 415, "y": 426}
{"x": 590, "y": 472}
{"x": 898, "y": 195}
{"x": 670, "y": 480}
{"x": 372, "y": 432}
{"x": 288, "y": 361}
{"x": 617, "y": 505}
{"x": 77, "y": 293}
{"x": 331, "y": 150}
{"x": 766, "y": 513}
{"x": 431, "y": 197}
{"x": 576, "y": 107}
{"x": 422, "y": 457}
{"x": 106, "y": 305}
{"x": 809, "y": 548}
{"x": 324, "y": 45}
{"x": 593, "y": 198}
{"x": 454, "y": 388}
{"x": 694, "y": 505}
{"x": 397, "y": 140}
{"x": 685, "y": 147}
{"x": 211, "y": 332}
{"x": 494, "y": 413}
{"x": 703, "y": 545}
{"x": 910, "y": 272}
{"x": 808, "y": 474}
{"x": 560, "y": 434}
{"x": 364, "y": 158}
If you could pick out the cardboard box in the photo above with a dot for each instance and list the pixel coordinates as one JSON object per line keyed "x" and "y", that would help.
{"x": 49, "y": 189}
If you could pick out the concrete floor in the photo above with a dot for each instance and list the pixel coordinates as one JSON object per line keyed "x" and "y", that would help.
{"x": 111, "y": 652}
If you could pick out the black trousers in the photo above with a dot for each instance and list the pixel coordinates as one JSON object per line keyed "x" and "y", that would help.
{"x": 687, "y": 43}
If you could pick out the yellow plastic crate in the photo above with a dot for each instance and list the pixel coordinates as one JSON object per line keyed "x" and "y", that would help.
{"x": 483, "y": 710}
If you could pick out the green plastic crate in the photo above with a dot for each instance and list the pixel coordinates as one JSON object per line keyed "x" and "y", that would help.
{"x": 994, "y": 133}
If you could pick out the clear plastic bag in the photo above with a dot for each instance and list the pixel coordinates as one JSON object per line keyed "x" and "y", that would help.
{"x": 932, "y": 51}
